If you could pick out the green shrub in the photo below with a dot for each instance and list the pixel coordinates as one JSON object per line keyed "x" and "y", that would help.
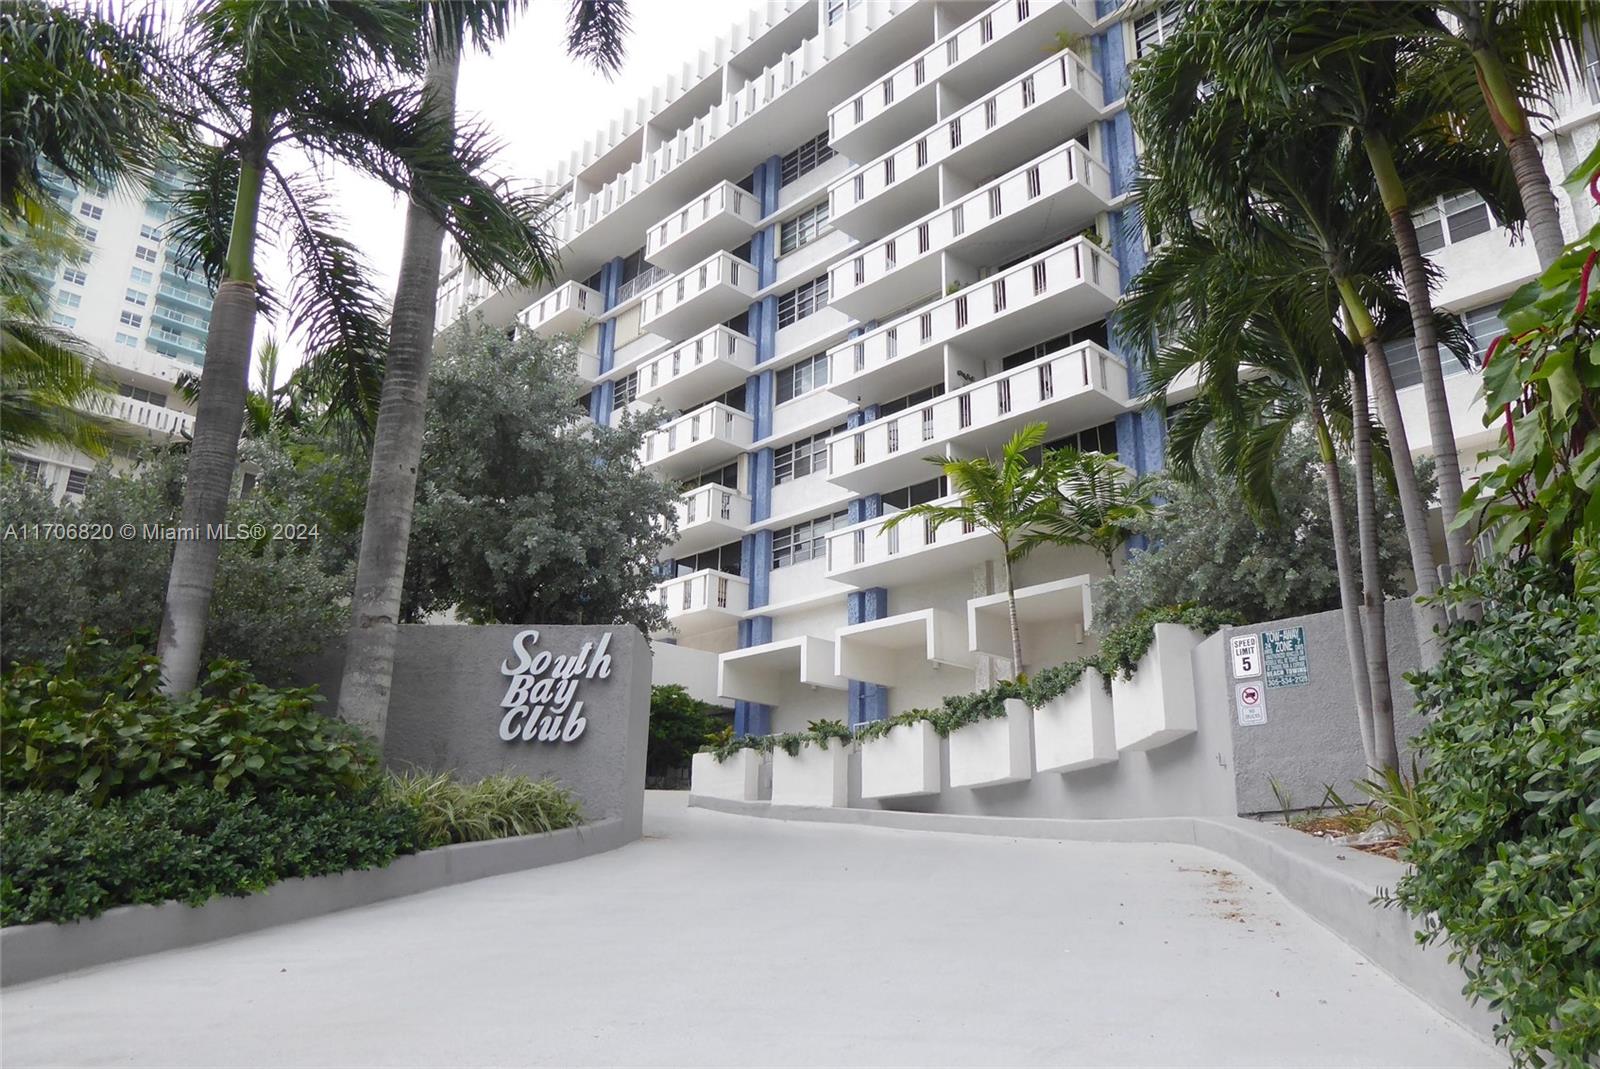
{"x": 679, "y": 725}
{"x": 1124, "y": 646}
{"x": 495, "y": 807}
{"x": 1048, "y": 684}
{"x": 68, "y": 856}
{"x": 96, "y": 721}
{"x": 1507, "y": 855}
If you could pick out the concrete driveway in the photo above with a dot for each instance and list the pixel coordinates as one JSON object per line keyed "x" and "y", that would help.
{"x": 726, "y": 940}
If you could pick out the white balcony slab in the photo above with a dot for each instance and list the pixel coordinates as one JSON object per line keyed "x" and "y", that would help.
{"x": 814, "y": 776}
{"x": 156, "y": 422}
{"x": 972, "y": 58}
{"x": 762, "y": 673}
{"x": 869, "y": 651}
{"x": 722, "y": 217}
{"x": 738, "y": 778}
{"x": 1057, "y": 97}
{"x": 995, "y": 751}
{"x": 904, "y": 763}
{"x": 1079, "y": 386}
{"x": 1157, "y": 705}
{"x": 695, "y": 441}
{"x": 1061, "y": 604}
{"x": 702, "y": 601}
{"x": 708, "y": 516}
{"x": 1075, "y": 730}
{"x": 563, "y": 310}
{"x": 866, "y": 554}
{"x": 717, "y": 288}
{"x": 1064, "y": 187}
{"x": 1068, "y": 285}
{"x": 706, "y": 365}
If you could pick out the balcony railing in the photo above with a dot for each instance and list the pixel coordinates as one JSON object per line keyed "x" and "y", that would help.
{"x": 723, "y": 215}
{"x": 711, "y": 434}
{"x": 160, "y": 311}
{"x": 704, "y": 366}
{"x": 641, "y": 282}
{"x": 192, "y": 298}
{"x": 1066, "y": 181}
{"x": 701, "y": 599}
{"x": 1077, "y": 386}
{"x": 710, "y": 515}
{"x": 867, "y": 551}
{"x": 564, "y": 309}
{"x": 144, "y": 416}
{"x": 713, "y": 290}
{"x": 972, "y": 39}
{"x": 1067, "y": 286}
{"x": 1059, "y": 94}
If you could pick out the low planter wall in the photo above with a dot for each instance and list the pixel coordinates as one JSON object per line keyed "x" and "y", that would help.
{"x": 738, "y": 778}
{"x": 35, "y": 951}
{"x": 901, "y": 764}
{"x": 1076, "y": 730}
{"x": 814, "y": 776}
{"x": 993, "y": 751}
{"x": 1157, "y": 705}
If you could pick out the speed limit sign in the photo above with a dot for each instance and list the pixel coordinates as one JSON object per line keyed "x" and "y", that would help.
{"x": 1251, "y": 698}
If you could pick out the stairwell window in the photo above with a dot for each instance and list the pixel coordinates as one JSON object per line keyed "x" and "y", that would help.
{"x": 802, "y": 301}
{"x": 806, "y": 158}
{"x": 802, "y": 378}
{"x": 625, "y": 392}
{"x": 806, "y": 456}
{"x": 805, "y": 541}
{"x": 803, "y": 228}
{"x": 77, "y": 481}
{"x": 1448, "y": 220}
{"x": 1154, "y": 29}
{"x": 91, "y": 211}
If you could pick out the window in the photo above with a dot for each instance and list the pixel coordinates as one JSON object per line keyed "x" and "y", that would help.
{"x": 138, "y": 297}
{"x": 29, "y": 468}
{"x": 803, "y": 228}
{"x": 915, "y": 397}
{"x": 1095, "y": 332}
{"x": 808, "y": 456}
{"x": 145, "y": 253}
{"x": 141, "y": 276}
{"x": 1482, "y": 323}
{"x": 803, "y": 377}
{"x": 917, "y": 493}
{"x": 803, "y": 300}
{"x": 625, "y": 392}
{"x": 131, "y": 320}
{"x": 727, "y": 475}
{"x": 91, "y": 211}
{"x": 805, "y": 541}
{"x": 807, "y": 158}
{"x": 1451, "y": 219}
{"x": 837, "y": 8}
{"x": 149, "y": 233}
{"x": 63, "y": 321}
{"x": 1101, "y": 439}
{"x": 74, "y": 276}
{"x": 69, "y": 300}
{"x": 1153, "y": 29}
{"x": 89, "y": 234}
{"x": 149, "y": 397}
{"x": 131, "y": 341}
{"x": 722, "y": 559}
{"x": 77, "y": 481}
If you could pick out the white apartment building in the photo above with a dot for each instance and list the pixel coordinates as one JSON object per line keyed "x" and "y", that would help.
{"x": 854, "y": 236}
{"x": 133, "y": 302}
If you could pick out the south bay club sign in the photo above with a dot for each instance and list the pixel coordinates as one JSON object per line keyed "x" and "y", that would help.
{"x": 541, "y": 701}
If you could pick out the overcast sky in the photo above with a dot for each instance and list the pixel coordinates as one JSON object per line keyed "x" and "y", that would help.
{"x": 539, "y": 104}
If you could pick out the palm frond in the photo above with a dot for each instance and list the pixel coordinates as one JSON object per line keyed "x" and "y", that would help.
{"x": 597, "y": 33}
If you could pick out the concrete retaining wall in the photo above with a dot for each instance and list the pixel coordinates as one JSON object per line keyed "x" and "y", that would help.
{"x": 35, "y": 951}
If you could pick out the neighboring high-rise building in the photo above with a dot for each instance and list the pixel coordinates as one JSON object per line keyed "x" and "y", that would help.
{"x": 133, "y": 301}
{"x": 856, "y": 234}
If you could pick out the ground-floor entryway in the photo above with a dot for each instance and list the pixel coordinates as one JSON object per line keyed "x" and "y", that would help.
{"x": 728, "y": 940}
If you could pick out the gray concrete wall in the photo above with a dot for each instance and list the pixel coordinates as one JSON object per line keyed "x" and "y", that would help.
{"x": 445, "y": 711}
{"x": 1188, "y": 777}
{"x": 1311, "y": 739}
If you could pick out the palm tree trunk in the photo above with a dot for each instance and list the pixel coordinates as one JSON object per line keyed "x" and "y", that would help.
{"x": 1414, "y": 273}
{"x": 214, "y": 453}
{"x": 396, "y": 454}
{"x": 1527, "y": 164}
{"x": 1349, "y": 599}
{"x": 1011, "y": 610}
{"x": 1385, "y": 754}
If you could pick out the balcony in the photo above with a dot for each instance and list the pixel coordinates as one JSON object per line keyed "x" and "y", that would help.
{"x": 710, "y": 435}
{"x": 702, "y": 601}
{"x": 1066, "y": 184}
{"x": 978, "y": 55}
{"x": 763, "y": 673}
{"x": 867, "y": 555}
{"x": 181, "y": 342}
{"x": 563, "y": 310}
{"x": 1076, "y": 387}
{"x": 722, "y": 216}
{"x": 901, "y": 649}
{"x": 1057, "y": 98}
{"x": 710, "y": 515}
{"x": 717, "y": 288}
{"x": 154, "y": 420}
{"x": 161, "y": 313}
{"x": 1070, "y": 285}
{"x": 196, "y": 299}
{"x": 641, "y": 282}
{"x": 712, "y": 363}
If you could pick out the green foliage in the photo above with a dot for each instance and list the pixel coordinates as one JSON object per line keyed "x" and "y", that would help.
{"x": 68, "y": 857}
{"x": 1206, "y": 548}
{"x": 1124, "y": 646}
{"x": 1048, "y": 684}
{"x": 96, "y": 722}
{"x": 1506, "y": 846}
{"x": 679, "y": 725}
{"x": 495, "y": 807}
{"x": 559, "y": 534}
{"x": 278, "y": 600}
{"x": 727, "y": 746}
{"x": 1543, "y": 379}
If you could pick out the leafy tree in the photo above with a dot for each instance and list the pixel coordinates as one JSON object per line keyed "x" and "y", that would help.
{"x": 1011, "y": 498}
{"x": 596, "y": 31}
{"x": 1098, "y": 503}
{"x": 679, "y": 725}
{"x": 527, "y": 511}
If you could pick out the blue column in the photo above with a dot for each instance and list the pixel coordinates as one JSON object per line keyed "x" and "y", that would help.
{"x": 600, "y": 398}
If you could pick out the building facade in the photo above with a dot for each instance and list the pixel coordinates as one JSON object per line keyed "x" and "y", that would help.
{"x": 133, "y": 301}
{"x": 857, "y": 236}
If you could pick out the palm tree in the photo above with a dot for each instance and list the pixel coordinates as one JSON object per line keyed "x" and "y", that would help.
{"x": 252, "y": 78}
{"x": 596, "y": 31}
{"x": 1010, "y": 499}
{"x": 1098, "y": 503}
